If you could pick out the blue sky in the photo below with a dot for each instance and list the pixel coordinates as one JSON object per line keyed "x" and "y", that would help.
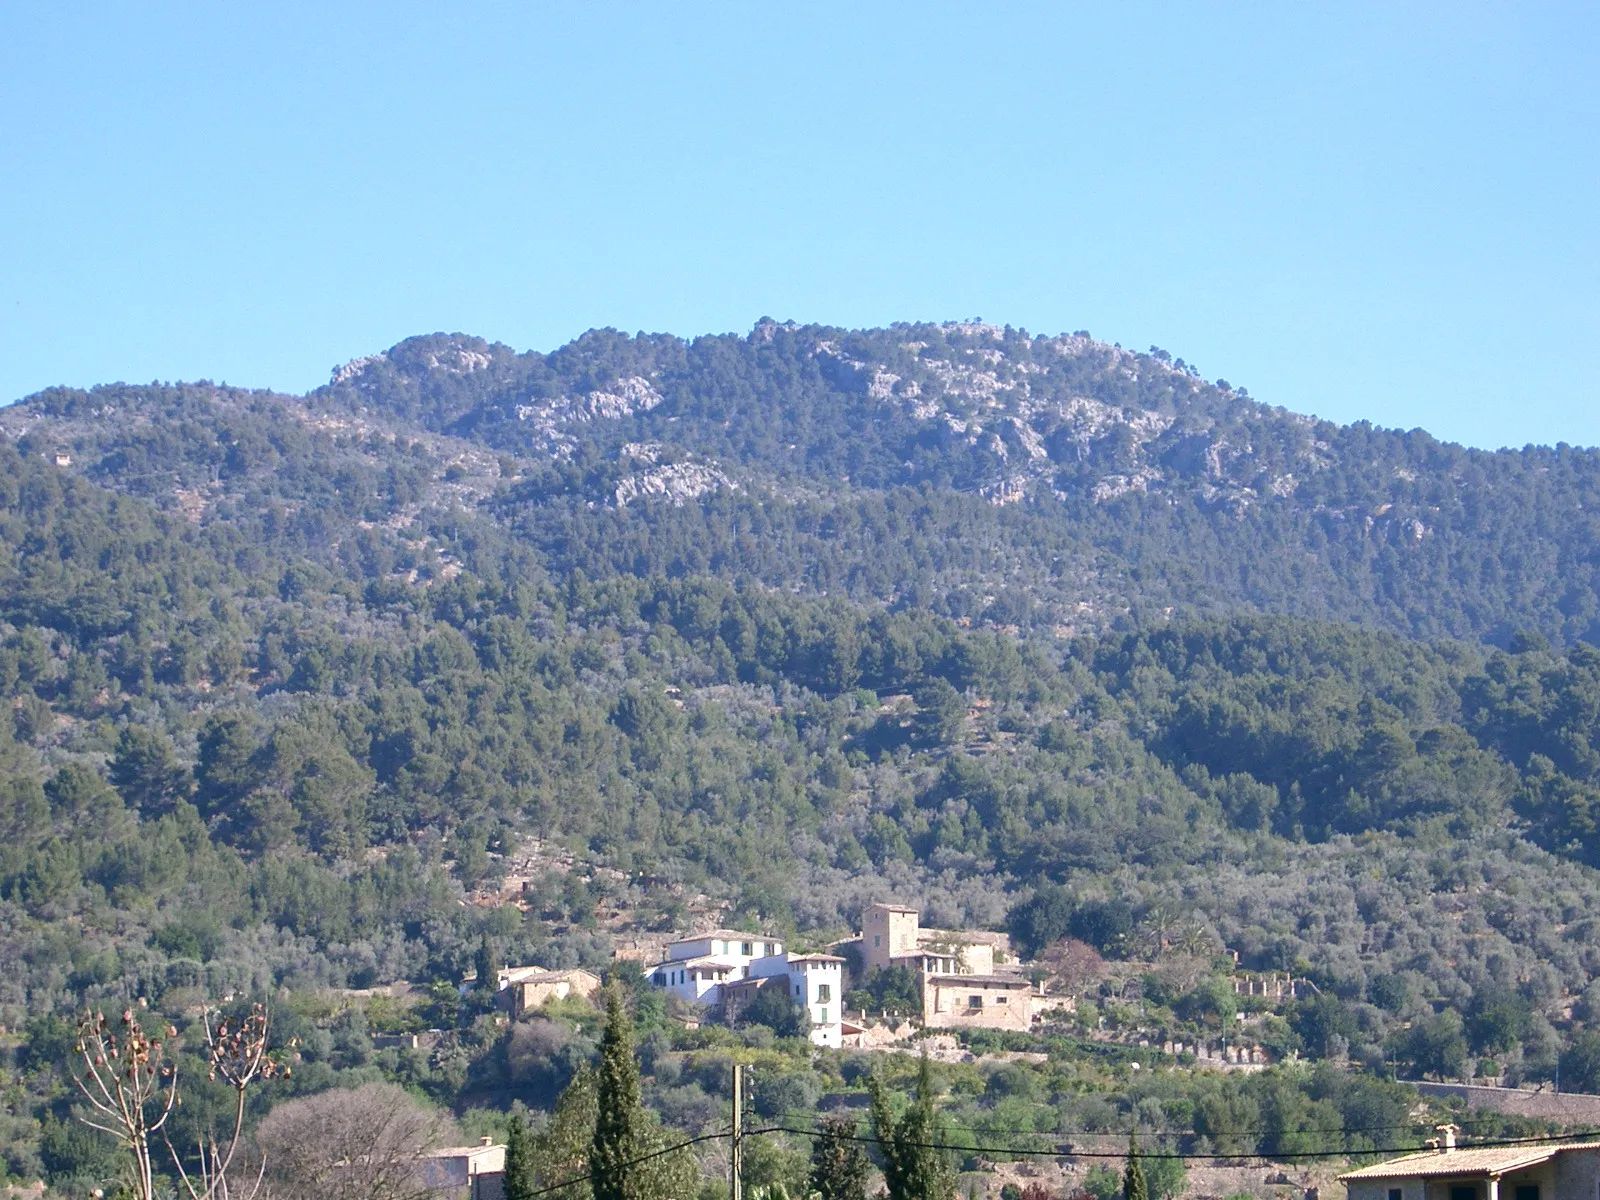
{"x": 1381, "y": 211}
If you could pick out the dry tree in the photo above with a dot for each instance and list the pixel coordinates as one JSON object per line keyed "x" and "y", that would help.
{"x": 131, "y": 1085}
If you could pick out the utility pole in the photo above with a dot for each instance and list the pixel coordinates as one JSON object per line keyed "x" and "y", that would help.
{"x": 736, "y": 1155}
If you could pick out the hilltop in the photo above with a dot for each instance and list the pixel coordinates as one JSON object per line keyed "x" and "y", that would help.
{"x": 1052, "y": 484}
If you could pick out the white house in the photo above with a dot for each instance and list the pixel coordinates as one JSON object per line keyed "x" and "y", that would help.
{"x": 816, "y": 981}
{"x": 696, "y": 968}
{"x": 727, "y": 944}
{"x": 812, "y": 981}
{"x": 725, "y": 968}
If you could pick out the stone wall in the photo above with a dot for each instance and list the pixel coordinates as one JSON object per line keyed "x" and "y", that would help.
{"x": 1554, "y": 1106}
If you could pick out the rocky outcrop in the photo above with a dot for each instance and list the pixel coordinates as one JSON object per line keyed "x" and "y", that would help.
{"x": 676, "y": 483}
{"x": 551, "y": 418}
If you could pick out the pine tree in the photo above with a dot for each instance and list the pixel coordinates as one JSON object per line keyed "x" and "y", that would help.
{"x": 914, "y": 1168}
{"x": 521, "y": 1177}
{"x": 839, "y": 1164}
{"x": 1134, "y": 1186}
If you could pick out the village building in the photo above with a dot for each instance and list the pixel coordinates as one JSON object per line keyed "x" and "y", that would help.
{"x": 892, "y": 936}
{"x": 697, "y": 968}
{"x": 469, "y": 1172}
{"x": 725, "y": 969}
{"x": 814, "y": 982}
{"x": 1449, "y": 1172}
{"x": 523, "y": 988}
{"x": 962, "y": 974}
{"x": 982, "y": 1001}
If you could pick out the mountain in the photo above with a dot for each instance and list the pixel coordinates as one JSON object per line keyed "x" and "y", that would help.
{"x": 976, "y": 472}
{"x": 1090, "y": 484}
{"x": 1034, "y": 632}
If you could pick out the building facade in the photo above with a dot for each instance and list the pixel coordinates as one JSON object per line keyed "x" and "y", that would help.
{"x": 524, "y": 988}
{"x": 697, "y": 968}
{"x": 977, "y": 1001}
{"x": 1448, "y": 1172}
{"x": 726, "y": 969}
{"x": 816, "y": 983}
{"x": 812, "y": 982}
{"x": 960, "y": 972}
{"x": 888, "y": 932}
{"x": 467, "y": 1172}
{"x": 892, "y": 935}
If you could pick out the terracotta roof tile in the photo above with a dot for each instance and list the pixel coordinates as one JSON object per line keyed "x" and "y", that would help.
{"x": 1465, "y": 1160}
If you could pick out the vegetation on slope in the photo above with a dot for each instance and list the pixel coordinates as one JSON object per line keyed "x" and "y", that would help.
{"x": 292, "y": 680}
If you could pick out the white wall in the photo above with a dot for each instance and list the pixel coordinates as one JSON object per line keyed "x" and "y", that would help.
{"x": 819, "y": 988}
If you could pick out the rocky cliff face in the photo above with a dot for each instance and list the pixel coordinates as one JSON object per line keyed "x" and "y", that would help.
{"x": 1019, "y": 416}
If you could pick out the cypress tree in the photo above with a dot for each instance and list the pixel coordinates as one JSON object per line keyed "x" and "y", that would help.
{"x": 1134, "y": 1186}
{"x": 839, "y": 1163}
{"x": 914, "y": 1168}
{"x": 521, "y": 1177}
{"x": 618, "y": 1122}
{"x": 562, "y": 1151}
{"x": 487, "y": 967}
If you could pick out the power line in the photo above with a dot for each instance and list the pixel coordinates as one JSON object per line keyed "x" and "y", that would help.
{"x": 633, "y": 1162}
{"x": 1019, "y": 1152}
{"x": 1279, "y": 1156}
{"x": 1232, "y": 1133}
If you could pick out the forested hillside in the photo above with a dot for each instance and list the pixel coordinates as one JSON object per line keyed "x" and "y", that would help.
{"x": 1037, "y": 633}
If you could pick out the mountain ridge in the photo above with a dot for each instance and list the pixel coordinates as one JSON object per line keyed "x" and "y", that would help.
{"x": 1133, "y": 486}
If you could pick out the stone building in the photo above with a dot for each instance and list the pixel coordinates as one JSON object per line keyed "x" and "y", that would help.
{"x": 524, "y": 988}
{"x": 977, "y": 1001}
{"x": 961, "y": 973}
{"x": 467, "y": 1172}
{"x": 1451, "y": 1172}
{"x": 892, "y": 935}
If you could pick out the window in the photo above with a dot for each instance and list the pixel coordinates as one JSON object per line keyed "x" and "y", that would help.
{"x": 749, "y": 950}
{"x": 1468, "y": 1192}
{"x": 977, "y": 1002}
{"x": 1396, "y": 1194}
{"x": 875, "y": 941}
{"x": 824, "y": 1016}
{"x": 1528, "y": 1191}
{"x": 999, "y": 999}
{"x": 799, "y": 990}
{"x": 825, "y": 993}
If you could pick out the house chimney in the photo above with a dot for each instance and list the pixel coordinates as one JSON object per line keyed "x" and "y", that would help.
{"x": 488, "y": 1141}
{"x": 1447, "y": 1137}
